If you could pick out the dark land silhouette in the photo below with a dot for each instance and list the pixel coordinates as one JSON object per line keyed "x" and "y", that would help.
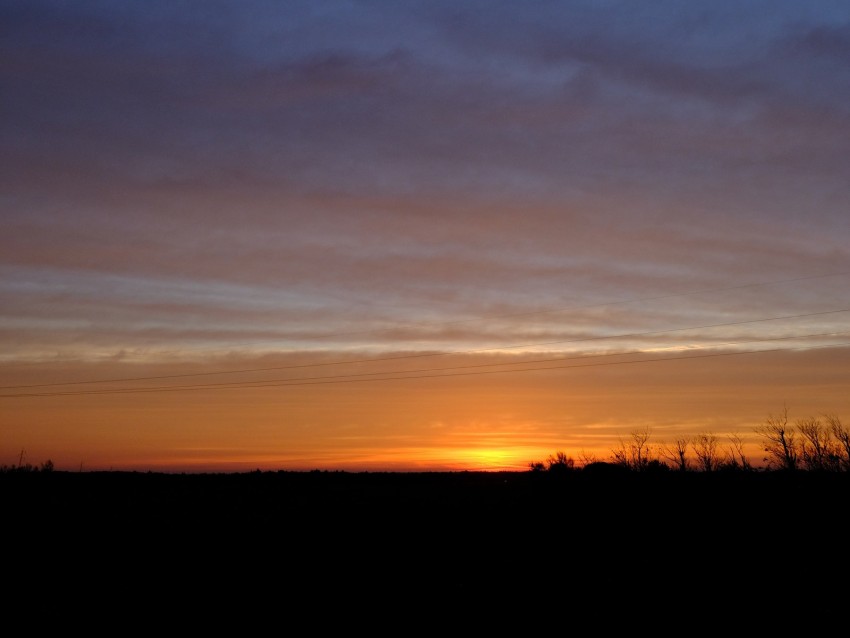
{"x": 431, "y": 549}
{"x": 456, "y": 518}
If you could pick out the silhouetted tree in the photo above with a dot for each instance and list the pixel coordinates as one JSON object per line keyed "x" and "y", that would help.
{"x": 635, "y": 454}
{"x": 705, "y": 446}
{"x": 739, "y": 459}
{"x": 817, "y": 449}
{"x": 557, "y": 462}
{"x": 560, "y": 462}
{"x": 842, "y": 437}
{"x": 677, "y": 454}
{"x": 779, "y": 441}
{"x": 586, "y": 458}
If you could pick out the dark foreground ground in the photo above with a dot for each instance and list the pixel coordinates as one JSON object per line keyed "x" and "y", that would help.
{"x": 285, "y": 542}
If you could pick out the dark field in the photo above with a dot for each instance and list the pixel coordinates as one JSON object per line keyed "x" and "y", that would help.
{"x": 278, "y": 538}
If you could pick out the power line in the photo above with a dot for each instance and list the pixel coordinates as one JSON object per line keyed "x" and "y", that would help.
{"x": 350, "y": 378}
{"x": 590, "y": 365}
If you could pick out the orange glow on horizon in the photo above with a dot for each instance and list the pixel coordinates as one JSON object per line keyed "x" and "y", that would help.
{"x": 477, "y": 424}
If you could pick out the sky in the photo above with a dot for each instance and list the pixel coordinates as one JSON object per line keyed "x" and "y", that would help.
{"x": 417, "y": 235}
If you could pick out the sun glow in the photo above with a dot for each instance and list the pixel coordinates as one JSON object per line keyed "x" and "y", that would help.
{"x": 492, "y": 459}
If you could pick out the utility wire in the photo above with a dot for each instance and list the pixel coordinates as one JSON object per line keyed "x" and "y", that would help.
{"x": 383, "y": 376}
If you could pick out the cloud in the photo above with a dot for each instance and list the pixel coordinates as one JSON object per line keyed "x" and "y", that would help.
{"x": 420, "y": 162}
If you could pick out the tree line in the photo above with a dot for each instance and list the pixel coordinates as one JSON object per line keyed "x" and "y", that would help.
{"x": 815, "y": 444}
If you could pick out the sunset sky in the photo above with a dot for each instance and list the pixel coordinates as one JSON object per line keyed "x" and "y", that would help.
{"x": 405, "y": 235}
